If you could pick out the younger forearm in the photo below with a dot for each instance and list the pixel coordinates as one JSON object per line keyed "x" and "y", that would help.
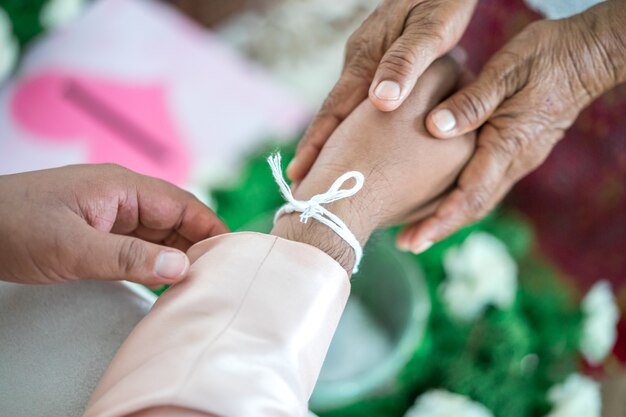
{"x": 245, "y": 334}
{"x": 322, "y": 237}
{"x": 359, "y": 212}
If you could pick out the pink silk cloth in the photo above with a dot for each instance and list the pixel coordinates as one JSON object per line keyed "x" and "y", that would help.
{"x": 244, "y": 335}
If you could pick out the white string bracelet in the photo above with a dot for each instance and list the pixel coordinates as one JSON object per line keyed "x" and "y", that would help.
{"x": 313, "y": 209}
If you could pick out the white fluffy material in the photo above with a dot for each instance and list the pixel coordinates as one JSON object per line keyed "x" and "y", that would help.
{"x": 601, "y": 315}
{"x": 578, "y": 396}
{"x": 442, "y": 403}
{"x": 479, "y": 273}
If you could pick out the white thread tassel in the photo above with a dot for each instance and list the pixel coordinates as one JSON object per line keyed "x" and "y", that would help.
{"x": 314, "y": 209}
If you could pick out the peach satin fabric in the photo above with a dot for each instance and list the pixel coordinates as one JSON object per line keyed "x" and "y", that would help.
{"x": 244, "y": 335}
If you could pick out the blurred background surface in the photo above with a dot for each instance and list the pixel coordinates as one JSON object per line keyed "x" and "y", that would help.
{"x": 193, "y": 91}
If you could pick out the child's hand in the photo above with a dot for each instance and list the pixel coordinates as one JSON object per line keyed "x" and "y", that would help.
{"x": 98, "y": 222}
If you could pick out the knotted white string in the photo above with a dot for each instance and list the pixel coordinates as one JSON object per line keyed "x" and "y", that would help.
{"x": 314, "y": 209}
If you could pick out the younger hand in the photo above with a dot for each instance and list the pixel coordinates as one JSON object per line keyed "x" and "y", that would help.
{"x": 98, "y": 222}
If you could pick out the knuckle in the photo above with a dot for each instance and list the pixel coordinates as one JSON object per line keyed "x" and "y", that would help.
{"x": 478, "y": 203}
{"x": 470, "y": 105}
{"x": 132, "y": 256}
{"x": 514, "y": 137}
{"x": 427, "y": 30}
{"x": 399, "y": 61}
{"x": 507, "y": 72}
{"x": 449, "y": 226}
{"x": 334, "y": 105}
{"x": 329, "y": 109}
{"x": 508, "y": 146}
{"x": 426, "y": 22}
{"x": 361, "y": 60}
{"x": 355, "y": 42}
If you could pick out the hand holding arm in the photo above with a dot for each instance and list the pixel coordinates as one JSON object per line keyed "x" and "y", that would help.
{"x": 384, "y": 59}
{"x": 407, "y": 171}
{"x": 524, "y": 99}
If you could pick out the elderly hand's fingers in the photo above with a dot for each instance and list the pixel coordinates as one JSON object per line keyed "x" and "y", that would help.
{"x": 481, "y": 185}
{"x": 436, "y": 228}
{"x": 473, "y": 105}
{"x": 430, "y": 30}
{"x": 424, "y": 211}
{"x": 516, "y": 140}
{"x": 106, "y": 256}
{"x": 346, "y": 95}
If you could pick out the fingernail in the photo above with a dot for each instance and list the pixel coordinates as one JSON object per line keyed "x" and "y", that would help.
{"x": 403, "y": 246}
{"x": 459, "y": 55}
{"x": 402, "y": 243}
{"x": 422, "y": 247}
{"x": 290, "y": 166}
{"x": 444, "y": 120}
{"x": 171, "y": 265}
{"x": 387, "y": 90}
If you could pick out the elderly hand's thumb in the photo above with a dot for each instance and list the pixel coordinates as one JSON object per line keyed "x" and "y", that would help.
{"x": 112, "y": 257}
{"x": 466, "y": 110}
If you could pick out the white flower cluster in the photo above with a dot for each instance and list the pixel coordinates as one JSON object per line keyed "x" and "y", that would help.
{"x": 578, "y": 396}
{"x": 600, "y": 319}
{"x": 9, "y": 48}
{"x": 442, "y": 403}
{"x": 58, "y": 13}
{"x": 479, "y": 273}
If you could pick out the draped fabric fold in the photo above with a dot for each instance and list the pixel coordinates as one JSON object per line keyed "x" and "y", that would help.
{"x": 244, "y": 335}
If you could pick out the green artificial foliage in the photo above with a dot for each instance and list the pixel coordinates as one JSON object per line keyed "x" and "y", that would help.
{"x": 506, "y": 360}
{"x": 255, "y": 194}
{"x": 24, "y": 15}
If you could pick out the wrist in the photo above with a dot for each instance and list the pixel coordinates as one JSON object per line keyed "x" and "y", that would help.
{"x": 324, "y": 238}
{"x": 318, "y": 235}
{"x": 605, "y": 39}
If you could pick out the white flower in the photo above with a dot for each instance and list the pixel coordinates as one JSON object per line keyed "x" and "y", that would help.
{"x": 599, "y": 323}
{"x": 442, "y": 403}
{"x": 9, "y": 48}
{"x": 479, "y": 273}
{"x": 58, "y": 13}
{"x": 578, "y": 396}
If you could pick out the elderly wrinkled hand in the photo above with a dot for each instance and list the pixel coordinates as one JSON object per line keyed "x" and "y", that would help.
{"x": 524, "y": 99}
{"x": 98, "y": 222}
{"x": 385, "y": 58}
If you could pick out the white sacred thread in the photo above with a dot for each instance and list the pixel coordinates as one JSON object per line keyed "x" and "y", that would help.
{"x": 314, "y": 209}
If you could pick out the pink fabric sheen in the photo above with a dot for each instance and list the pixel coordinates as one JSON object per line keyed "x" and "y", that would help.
{"x": 244, "y": 335}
